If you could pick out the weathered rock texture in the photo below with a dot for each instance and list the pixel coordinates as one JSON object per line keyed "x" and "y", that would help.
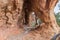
{"x": 10, "y": 11}
{"x": 12, "y": 15}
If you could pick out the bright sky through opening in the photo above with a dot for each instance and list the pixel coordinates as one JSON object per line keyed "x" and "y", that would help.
{"x": 56, "y": 9}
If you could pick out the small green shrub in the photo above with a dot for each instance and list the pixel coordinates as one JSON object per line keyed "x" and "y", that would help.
{"x": 57, "y": 15}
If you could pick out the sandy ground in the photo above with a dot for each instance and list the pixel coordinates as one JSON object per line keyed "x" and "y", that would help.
{"x": 14, "y": 33}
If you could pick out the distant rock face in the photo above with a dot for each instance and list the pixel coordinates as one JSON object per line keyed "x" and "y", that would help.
{"x": 40, "y": 7}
